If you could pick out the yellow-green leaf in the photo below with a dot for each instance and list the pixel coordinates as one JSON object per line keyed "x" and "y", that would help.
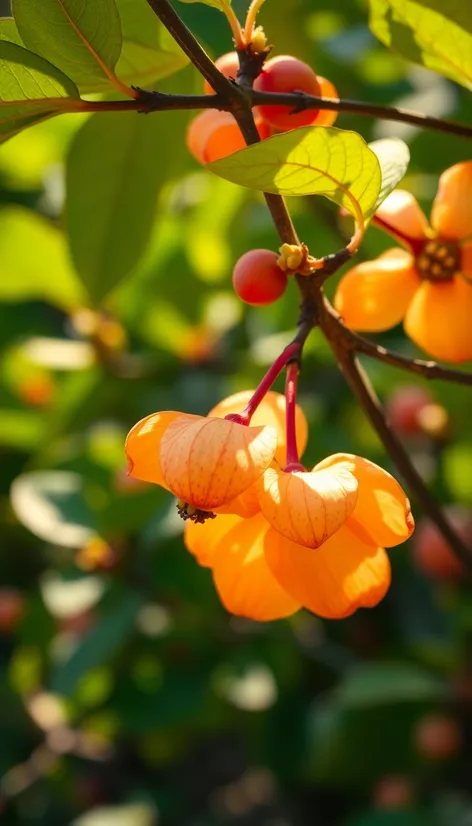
{"x": 313, "y": 161}
{"x": 393, "y": 156}
{"x": 34, "y": 261}
{"x": 82, "y": 38}
{"x": 149, "y": 52}
{"x": 217, "y": 4}
{"x": 31, "y": 89}
{"x": 436, "y": 33}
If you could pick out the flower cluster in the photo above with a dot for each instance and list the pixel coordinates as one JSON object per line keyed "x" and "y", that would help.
{"x": 276, "y": 536}
{"x": 428, "y": 285}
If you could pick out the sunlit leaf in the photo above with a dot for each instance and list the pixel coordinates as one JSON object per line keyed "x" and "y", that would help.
{"x": 31, "y": 89}
{"x": 149, "y": 52}
{"x": 393, "y": 156}
{"x": 313, "y": 161}
{"x": 217, "y": 4}
{"x": 51, "y": 505}
{"x": 135, "y": 814}
{"x": 9, "y": 31}
{"x": 431, "y": 32}
{"x": 81, "y": 38}
{"x": 34, "y": 262}
{"x": 112, "y": 189}
{"x": 382, "y": 683}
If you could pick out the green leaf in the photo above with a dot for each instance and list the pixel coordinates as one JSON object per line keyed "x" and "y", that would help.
{"x": 99, "y": 646}
{"x": 51, "y": 505}
{"x": 112, "y": 189}
{"x": 431, "y": 32}
{"x": 384, "y": 683}
{"x": 9, "y": 31}
{"x": 217, "y": 4}
{"x": 81, "y": 38}
{"x": 149, "y": 52}
{"x": 393, "y": 156}
{"x": 34, "y": 262}
{"x": 310, "y": 161}
{"x": 31, "y": 89}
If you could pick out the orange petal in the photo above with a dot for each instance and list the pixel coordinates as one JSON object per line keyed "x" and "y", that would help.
{"x": 207, "y": 462}
{"x": 375, "y": 295}
{"x": 466, "y": 258}
{"x": 271, "y": 411}
{"x": 308, "y": 507}
{"x": 202, "y": 540}
{"x": 382, "y": 507}
{"x": 451, "y": 215}
{"x": 326, "y": 117}
{"x": 439, "y": 319}
{"x": 242, "y": 577}
{"x": 143, "y": 443}
{"x": 346, "y": 573}
{"x": 403, "y": 214}
{"x": 246, "y": 504}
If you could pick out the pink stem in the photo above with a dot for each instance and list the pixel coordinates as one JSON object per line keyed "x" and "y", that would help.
{"x": 293, "y": 460}
{"x": 414, "y": 244}
{"x": 290, "y": 352}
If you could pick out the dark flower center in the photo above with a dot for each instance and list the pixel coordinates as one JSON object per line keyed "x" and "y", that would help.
{"x": 438, "y": 260}
{"x": 187, "y": 511}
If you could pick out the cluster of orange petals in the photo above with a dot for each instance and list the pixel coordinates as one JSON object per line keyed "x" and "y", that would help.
{"x": 280, "y": 540}
{"x": 428, "y": 285}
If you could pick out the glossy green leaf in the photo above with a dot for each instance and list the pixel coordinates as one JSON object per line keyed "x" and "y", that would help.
{"x": 97, "y": 647}
{"x": 81, "y": 38}
{"x": 383, "y": 683}
{"x": 431, "y": 32}
{"x": 31, "y": 89}
{"x": 149, "y": 52}
{"x": 34, "y": 262}
{"x": 112, "y": 189}
{"x": 313, "y": 161}
{"x": 9, "y": 31}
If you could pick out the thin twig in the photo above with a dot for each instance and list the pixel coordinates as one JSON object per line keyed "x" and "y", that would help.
{"x": 361, "y": 387}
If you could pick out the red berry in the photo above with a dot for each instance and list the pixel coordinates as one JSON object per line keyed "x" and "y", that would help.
{"x": 257, "y": 279}
{"x": 431, "y": 552}
{"x": 228, "y": 64}
{"x": 213, "y": 135}
{"x": 11, "y": 609}
{"x": 437, "y": 737}
{"x": 393, "y": 792}
{"x": 404, "y": 407}
{"x": 287, "y": 74}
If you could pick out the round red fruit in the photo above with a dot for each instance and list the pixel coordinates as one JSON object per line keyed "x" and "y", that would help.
{"x": 404, "y": 407}
{"x": 438, "y": 737}
{"x": 257, "y": 278}
{"x": 212, "y": 135}
{"x": 228, "y": 64}
{"x": 431, "y": 552}
{"x": 287, "y": 74}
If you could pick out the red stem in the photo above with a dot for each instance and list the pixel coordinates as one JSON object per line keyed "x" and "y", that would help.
{"x": 415, "y": 245}
{"x": 293, "y": 460}
{"x": 291, "y": 352}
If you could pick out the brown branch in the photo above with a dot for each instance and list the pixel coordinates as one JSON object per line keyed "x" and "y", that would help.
{"x": 367, "y": 398}
{"x": 428, "y": 369}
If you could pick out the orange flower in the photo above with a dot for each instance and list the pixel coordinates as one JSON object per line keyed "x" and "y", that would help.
{"x": 205, "y": 462}
{"x": 429, "y": 286}
{"x": 262, "y": 573}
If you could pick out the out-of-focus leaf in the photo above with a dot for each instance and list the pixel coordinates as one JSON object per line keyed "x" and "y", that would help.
{"x": 457, "y": 459}
{"x": 375, "y": 684}
{"x": 115, "y": 169}
{"x": 34, "y": 261}
{"x": 68, "y": 597}
{"x": 405, "y": 817}
{"x": 31, "y": 89}
{"x": 50, "y": 503}
{"x": 217, "y": 4}
{"x": 431, "y": 32}
{"x": 135, "y": 814}
{"x": 111, "y": 632}
{"x": 179, "y": 698}
{"x": 317, "y": 161}
{"x": 20, "y": 428}
{"x": 81, "y": 38}
{"x": 149, "y": 52}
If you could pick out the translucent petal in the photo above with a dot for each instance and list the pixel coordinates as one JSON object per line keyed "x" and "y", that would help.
{"x": 374, "y": 295}
{"x": 382, "y": 507}
{"x": 202, "y": 540}
{"x": 451, "y": 215}
{"x": 439, "y": 319}
{"x": 308, "y": 507}
{"x": 208, "y": 462}
{"x": 403, "y": 215}
{"x": 143, "y": 444}
{"x": 346, "y": 573}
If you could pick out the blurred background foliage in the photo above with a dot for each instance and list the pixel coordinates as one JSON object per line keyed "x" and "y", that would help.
{"x": 128, "y": 696}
